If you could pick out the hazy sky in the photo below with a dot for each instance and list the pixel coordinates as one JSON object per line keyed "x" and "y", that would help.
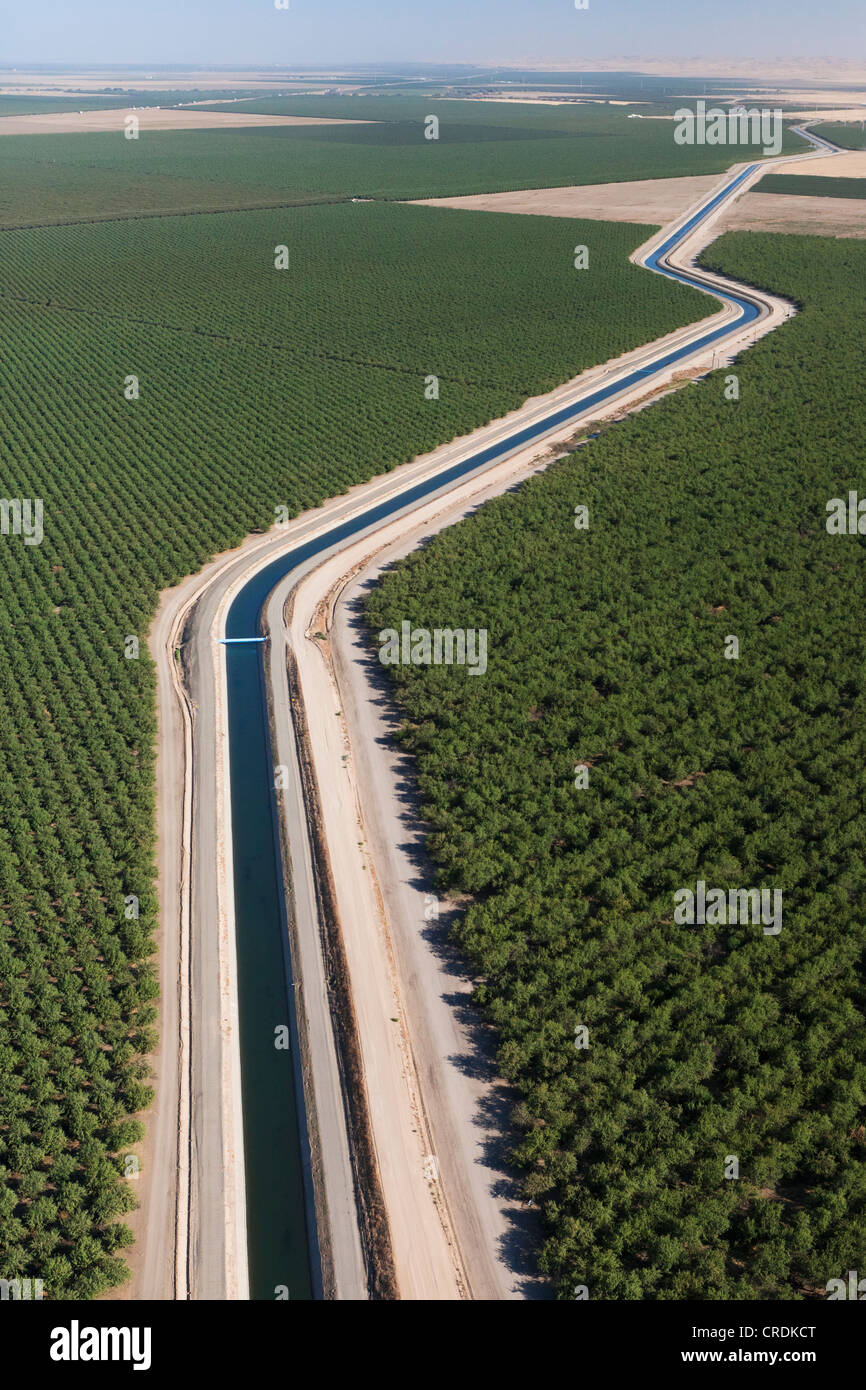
{"x": 339, "y": 31}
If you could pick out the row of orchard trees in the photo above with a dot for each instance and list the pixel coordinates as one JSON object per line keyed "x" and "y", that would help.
{"x": 689, "y": 1096}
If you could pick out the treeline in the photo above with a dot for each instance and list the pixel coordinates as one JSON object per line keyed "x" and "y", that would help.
{"x": 689, "y": 1099}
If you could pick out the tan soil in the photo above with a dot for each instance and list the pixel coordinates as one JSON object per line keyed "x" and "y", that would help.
{"x": 782, "y": 212}
{"x": 835, "y": 113}
{"x": 89, "y": 122}
{"x": 787, "y": 97}
{"x": 843, "y": 166}
{"x": 653, "y": 201}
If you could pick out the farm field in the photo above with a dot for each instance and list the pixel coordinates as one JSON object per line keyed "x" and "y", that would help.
{"x": 371, "y": 286}
{"x": 151, "y": 120}
{"x": 255, "y": 388}
{"x": 653, "y": 200}
{"x": 606, "y": 651}
{"x": 806, "y": 185}
{"x": 851, "y": 136}
{"x": 483, "y": 148}
{"x": 797, "y": 214}
{"x": 39, "y": 196}
{"x": 49, "y": 106}
{"x": 30, "y": 104}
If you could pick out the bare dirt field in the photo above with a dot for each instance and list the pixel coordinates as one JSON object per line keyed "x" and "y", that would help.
{"x": 782, "y": 212}
{"x": 150, "y": 118}
{"x": 842, "y": 166}
{"x": 788, "y": 96}
{"x": 824, "y": 113}
{"x": 653, "y": 201}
